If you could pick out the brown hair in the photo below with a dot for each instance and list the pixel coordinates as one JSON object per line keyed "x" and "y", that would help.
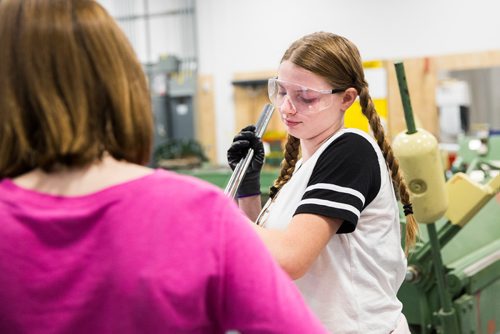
{"x": 337, "y": 60}
{"x": 71, "y": 88}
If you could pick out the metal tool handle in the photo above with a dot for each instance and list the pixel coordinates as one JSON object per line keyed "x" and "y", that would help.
{"x": 242, "y": 166}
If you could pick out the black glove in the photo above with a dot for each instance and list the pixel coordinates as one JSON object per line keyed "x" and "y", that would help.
{"x": 244, "y": 140}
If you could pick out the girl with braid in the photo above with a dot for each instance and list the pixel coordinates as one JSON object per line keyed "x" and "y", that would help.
{"x": 332, "y": 221}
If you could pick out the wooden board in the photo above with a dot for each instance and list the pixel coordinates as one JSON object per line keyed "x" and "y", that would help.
{"x": 205, "y": 116}
{"x": 422, "y": 75}
{"x": 422, "y": 79}
{"x": 250, "y": 99}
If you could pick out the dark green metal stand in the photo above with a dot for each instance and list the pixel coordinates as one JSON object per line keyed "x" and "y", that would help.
{"x": 446, "y": 314}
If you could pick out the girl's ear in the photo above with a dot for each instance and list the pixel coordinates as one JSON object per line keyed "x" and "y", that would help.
{"x": 348, "y": 98}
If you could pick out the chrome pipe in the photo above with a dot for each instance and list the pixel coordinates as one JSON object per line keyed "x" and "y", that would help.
{"x": 241, "y": 168}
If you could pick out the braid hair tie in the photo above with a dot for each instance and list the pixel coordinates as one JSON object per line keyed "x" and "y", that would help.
{"x": 408, "y": 209}
{"x": 273, "y": 191}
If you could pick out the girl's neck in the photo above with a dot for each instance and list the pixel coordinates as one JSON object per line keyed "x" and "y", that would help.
{"x": 309, "y": 146}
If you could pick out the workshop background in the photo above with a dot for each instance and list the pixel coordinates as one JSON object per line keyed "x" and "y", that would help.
{"x": 208, "y": 62}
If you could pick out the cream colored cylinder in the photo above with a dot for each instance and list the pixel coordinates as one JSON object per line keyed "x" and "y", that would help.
{"x": 422, "y": 167}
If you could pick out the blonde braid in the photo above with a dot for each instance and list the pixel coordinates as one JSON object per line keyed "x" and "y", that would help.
{"x": 291, "y": 154}
{"x": 368, "y": 110}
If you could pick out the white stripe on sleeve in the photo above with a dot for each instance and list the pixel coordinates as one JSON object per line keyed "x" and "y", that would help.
{"x": 339, "y": 189}
{"x": 331, "y": 204}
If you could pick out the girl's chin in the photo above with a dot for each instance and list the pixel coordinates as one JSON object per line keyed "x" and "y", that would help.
{"x": 294, "y": 131}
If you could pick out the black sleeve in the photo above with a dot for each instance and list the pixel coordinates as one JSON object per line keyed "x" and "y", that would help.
{"x": 345, "y": 179}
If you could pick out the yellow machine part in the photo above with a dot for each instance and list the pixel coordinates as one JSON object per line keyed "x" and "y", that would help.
{"x": 468, "y": 197}
{"x": 494, "y": 184}
{"x": 421, "y": 163}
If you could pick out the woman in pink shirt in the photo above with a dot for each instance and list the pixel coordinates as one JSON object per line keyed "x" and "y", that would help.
{"x": 91, "y": 241}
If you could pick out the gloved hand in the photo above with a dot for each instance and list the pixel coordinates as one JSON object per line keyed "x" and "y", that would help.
{"x": 244, "y": 140}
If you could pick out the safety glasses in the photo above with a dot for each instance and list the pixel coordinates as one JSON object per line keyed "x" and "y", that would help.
{"x": 303, "y": 99}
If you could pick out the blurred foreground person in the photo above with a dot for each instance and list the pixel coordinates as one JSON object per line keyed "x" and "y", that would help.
{"x": 90, "y": 240}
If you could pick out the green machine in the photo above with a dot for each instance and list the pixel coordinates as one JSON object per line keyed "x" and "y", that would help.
{"x": 452, "y": 283}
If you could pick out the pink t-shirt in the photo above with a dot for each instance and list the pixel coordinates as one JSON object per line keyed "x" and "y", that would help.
{"x": 161, "y": 254}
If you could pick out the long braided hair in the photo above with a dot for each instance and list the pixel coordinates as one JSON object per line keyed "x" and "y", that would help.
{"x": 337, "y": 59}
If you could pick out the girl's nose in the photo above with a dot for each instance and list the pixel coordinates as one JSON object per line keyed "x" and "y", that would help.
{"x": 287, "y": 106}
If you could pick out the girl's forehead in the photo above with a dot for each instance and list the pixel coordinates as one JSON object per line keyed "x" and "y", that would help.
{"x": 292, "y": 73}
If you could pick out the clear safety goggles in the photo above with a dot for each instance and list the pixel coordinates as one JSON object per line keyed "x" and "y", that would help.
{"x": 302, "y": 98}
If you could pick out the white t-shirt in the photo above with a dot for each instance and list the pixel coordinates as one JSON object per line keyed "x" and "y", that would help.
{"x": 352, "y": 285}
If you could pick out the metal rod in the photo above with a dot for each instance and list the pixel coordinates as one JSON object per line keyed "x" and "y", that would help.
{"x": 445, "y": 233}
{"x": 405, "y": 98}
{"x": 447, "y": 313}
{"x": 148, "y": 31}
{"x": 241, "y": 168}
